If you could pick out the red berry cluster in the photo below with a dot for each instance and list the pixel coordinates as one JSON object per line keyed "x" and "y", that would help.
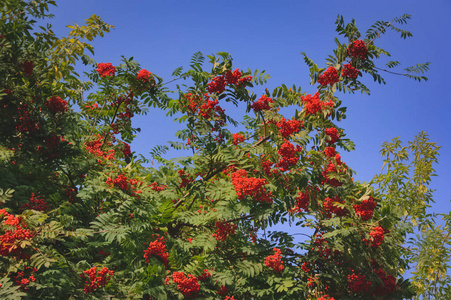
{"x": 52, "y": 142}
{"x": 22, "y": 279}
{"x": 205, "y": 275}
{"x": 333, "y": 167}
{"x": 235, "y": 78}
{"x": 96, "y": 278}
{"x": 349, "y": 71}
{"x": 95, "y": 147}
{"x": 253, "y": 235}
{"x": 358, "y": 49}
{"x": 157, "y": 248}
{"x": 121, "y": 181}
{"x": 267, "y": 164}
{"x": 275, "y": 261}
{"x": 125, "y": 184}
{"x": 135, "y": 184}
{"x": 229, "y": 170}
{"x": 237, "y": 138}
{"x": 330, "y": 76}
{"x": 24, "y": 120}
{"x": 186, "y": 179}
{"x": 154, "y": 186}
{"x": 223, "y": 230}
{"x": 218, "y": 83}
{"x": 250, "y": 186}
{"x": 193, "y": 101}
{"x": 365, "y": 209}
{"x": 303, "y": 199}
{"x": 27, "y": 67}
{"x": 377, "y": 234}
{"x": 305, "y": 267}
{"x": 103, "y": 253}
{"x": 262, "y": 104}
{"x": 222, "y": 290}
{"x": 126, "y": 150}
{"x": 289, "y": 155}
{"x": 219, "y": 138}
{"x": 320, "y": 246}
{"x": 71, "y": 194}
{"x": 230, "y": 298}
{"x": 287, "y": 128}
{"x": 358, "y": 283}
{"x": 313, "y": 105}
{"x": 329, "y": 152}
{"x": 56, "y": 105}
{"x": 311, "y": 282}
{"x": 106, "y": 69}
{"x": 389, "y": 283}
{"x": 204, "y": 107}
{"x": 92, "y": 107}
{"x": 187, "y": 285}
{"x": 330, "y": 207}
{"x": 124, "y": 117}
{"x": 10, "y": 239}
{"x": 144, "y": 76}
{"x": 332, "y": 134}
{"x": 36, "y": 203}
{"x": 208, "y": 107}
{"x": 189, "y": 141}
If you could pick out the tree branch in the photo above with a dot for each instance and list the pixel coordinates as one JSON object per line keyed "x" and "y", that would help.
{"x": 6, "y": 18}
{"x": 385, "y": 70}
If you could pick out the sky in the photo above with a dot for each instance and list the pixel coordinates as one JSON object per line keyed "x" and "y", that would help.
{"x": 270, "y": 35}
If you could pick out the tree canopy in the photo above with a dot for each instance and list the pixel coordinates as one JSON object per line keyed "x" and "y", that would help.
{"x": 82, "y": 216}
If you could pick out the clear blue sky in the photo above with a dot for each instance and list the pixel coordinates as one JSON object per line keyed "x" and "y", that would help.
{"x": 269, "y": 35}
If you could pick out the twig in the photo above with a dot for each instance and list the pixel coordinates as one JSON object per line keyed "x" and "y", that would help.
{"x": 105, "y": 230}
{"x": 261, "y": 141}
{"x": 95, "y": 122}
{"x": 381, "y": 31}
{"x": 69, "y": 177}
{"x": 385, "y": 70}
{"x": 264, "y": 121}
{"x": 240, "y": 218}
{"x": 180, "y": 201}
{"x": 6, "y": 18}
{"x": 164, "y": 83}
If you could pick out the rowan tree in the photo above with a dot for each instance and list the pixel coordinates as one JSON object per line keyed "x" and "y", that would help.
{"x": 83, "y": 216}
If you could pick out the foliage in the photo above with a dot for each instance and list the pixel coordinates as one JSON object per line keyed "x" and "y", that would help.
{"x": 84, "y": 217}
{"x": 403, "y": 188}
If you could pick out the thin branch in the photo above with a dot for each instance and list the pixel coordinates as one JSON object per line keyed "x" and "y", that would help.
{"x": 261, "y": 141}
{"x": 69, "y": 177}
{"x": 105, "y": 230}
{"x": 95, "y": 122}
{"x": 115, "y": 113}
{"x": 264, "y": 121}
{"x": 385, "y": 70}
{"x": 164, "y": 83}
{"x": 192, "y": 202}
{"x": 380, "y": 32}
{"x": 6, "y": 18}
{"x": 180, "y": 201}
{"x": 302, "y": 234}
{"x": 240, "y": 218}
